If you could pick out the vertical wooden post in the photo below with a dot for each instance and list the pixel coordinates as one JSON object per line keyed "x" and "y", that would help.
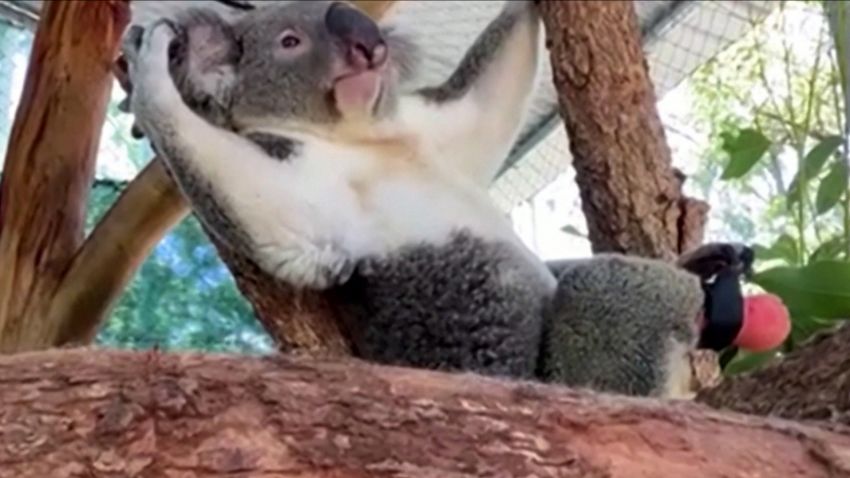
{"x": 631, "y": 195}
{"x": 51, "y": 158}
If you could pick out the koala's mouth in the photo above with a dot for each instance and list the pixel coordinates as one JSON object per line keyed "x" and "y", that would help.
{"x": 357, "y": 94}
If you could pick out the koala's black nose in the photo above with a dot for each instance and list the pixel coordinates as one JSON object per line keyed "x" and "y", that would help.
{"x": 359, "y": 33}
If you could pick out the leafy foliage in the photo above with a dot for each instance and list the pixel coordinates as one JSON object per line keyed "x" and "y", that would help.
{"x": 819, "y": 289}
{"x": 790, "y": 123}
{"x": 745, "y": 149}
{"x": 183, "y": 297}
{"x": 832, "y": 188}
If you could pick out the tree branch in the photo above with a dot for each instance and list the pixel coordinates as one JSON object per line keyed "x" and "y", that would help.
{"x": 92, "y": 413}
{"x": 147, "y": 209}
{"x": 50, "y": 160}
{"x": 631, "y": 196}
{"x": 150, "y": 207}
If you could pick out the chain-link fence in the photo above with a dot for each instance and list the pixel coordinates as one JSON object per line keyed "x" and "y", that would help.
{"x": 678, "y": 38}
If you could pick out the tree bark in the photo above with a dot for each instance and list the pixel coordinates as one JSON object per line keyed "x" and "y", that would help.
{"x": 295, "y": 319}
{"x": 50, "y": 160}
{"x": 810, "y": 383}
{"x": 99, "y": 413}
{"x": 631, "y": 195}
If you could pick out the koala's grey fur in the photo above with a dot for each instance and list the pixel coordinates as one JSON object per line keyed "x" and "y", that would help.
{"x": 244, "y": 44}
{"x": 274, "y": 145}
{"x": 614, "y": 321}
{"x": 466, "y": 305}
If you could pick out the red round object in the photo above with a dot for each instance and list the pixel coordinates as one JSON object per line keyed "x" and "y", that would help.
{"x": 766, "y": 323}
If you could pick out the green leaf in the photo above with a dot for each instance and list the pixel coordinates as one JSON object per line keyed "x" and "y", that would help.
{"x": 829, "y": 250}
{"x": 747, "y": 361}
{"x": 785, "y": 248}
{"x": 818, "y": 155}
{"x": 813, "y": 163}
{"x": 803, "y": 327}
{"x": 764, "y": 253}
{"x": 820, "y": 289}
{"x": 832, "y": 188}
{"x": 793, "y": 194}
{"x": 744, "y": 151}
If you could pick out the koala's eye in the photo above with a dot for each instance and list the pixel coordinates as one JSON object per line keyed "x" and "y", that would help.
{"x": 290, "y": 40}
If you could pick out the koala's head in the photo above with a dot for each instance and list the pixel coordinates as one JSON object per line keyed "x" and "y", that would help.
{"x": 316, "y": 62}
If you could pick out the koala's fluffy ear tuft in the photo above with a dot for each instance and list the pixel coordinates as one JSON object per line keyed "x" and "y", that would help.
{"x": 405, "y": 52}
{"x": 203, "y": 62}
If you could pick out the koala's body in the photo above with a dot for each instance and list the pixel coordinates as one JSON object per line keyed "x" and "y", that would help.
{"x": 290, "y": 131}
{"x": 312, "y": 162}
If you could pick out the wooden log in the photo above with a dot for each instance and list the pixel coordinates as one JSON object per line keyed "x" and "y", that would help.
{"x": 97, "y": 413}
{"x": 631, "y": 196}
{"x": 810, "y": 383}
{"x": 50, "y": 160}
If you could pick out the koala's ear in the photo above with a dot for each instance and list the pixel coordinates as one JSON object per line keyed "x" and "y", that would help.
{"x": 204, "y": 59}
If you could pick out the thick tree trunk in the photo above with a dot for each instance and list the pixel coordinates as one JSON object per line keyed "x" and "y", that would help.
{"x": 811, "y": 383}
{"x": 50, "y": 161}
{"x": 152, "y": 205}
{"x": 631, "y": 195}
{"x": 97, "y": 413}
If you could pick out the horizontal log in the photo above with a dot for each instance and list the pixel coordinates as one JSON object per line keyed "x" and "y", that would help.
{"x": 810, "y": 383}
{"x": 89, "y": 412}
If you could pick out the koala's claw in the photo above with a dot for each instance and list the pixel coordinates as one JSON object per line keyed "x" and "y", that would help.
{"x": 140, "y": 43}
{"x": 132, "y": 42}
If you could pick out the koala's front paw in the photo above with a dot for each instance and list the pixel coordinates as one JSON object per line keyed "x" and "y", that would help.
{"x": 306, "y": 265}
{"x": 146, "y": 51}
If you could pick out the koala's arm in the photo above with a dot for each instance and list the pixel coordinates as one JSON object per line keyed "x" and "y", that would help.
{"x": 237, "y": 189}
{"x": 622, "y": 325}
{"x": 474, "y": 117}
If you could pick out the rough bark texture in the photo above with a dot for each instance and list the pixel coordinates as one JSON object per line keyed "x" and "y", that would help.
{"x": 87, "y": 413}
{"x": 149, "y": 208}
{"x": 631, "y": 195}
{"x": 50, "y": 160}
{"x": 298, "y": 320}
{"x": 811, "y": 383}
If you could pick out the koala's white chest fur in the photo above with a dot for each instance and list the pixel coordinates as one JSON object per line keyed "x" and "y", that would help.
{"x": 365, "y": 199}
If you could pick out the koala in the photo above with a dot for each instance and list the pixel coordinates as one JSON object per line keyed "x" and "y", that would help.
{"x": 291, "y": 130}
{"x": 299, "y": 147}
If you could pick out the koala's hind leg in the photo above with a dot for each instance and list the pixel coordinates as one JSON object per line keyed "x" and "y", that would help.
{"x": 622, "y": 325}
{"x": 470, "y": 304}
